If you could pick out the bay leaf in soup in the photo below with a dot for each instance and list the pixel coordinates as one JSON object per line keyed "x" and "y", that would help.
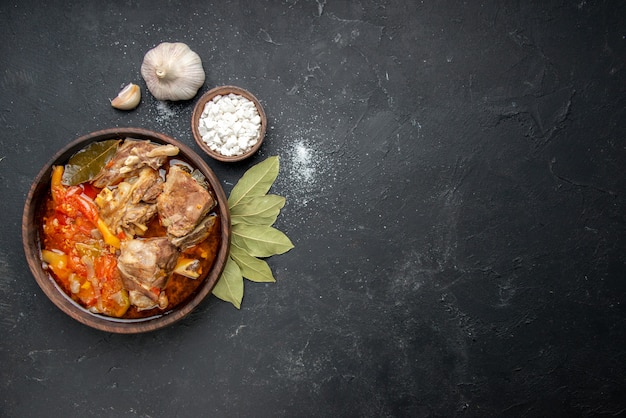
{"x": 87, "y": 163}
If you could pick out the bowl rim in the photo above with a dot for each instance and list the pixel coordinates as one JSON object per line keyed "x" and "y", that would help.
{"x": 199, "y": 108}
{"x": 32, "y": 247}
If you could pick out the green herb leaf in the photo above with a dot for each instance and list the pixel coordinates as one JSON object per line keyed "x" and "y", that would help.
{"x": 252, "y": 268}
{"x": 253, "y": 212}
{"x": 260, "y": 240}
{"x": 254, "y": 220}
{"x": 229, "y": 287}
{"x": 256, "y": 181}
{"x": 87, "y": 163}
{"x": 257, "y": 210}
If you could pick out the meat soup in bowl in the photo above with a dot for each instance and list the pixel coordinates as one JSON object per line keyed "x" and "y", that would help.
{"x": 126, "y": 230}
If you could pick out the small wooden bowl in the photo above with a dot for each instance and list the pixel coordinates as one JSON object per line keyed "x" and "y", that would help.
{"x": 199, "y": 108}
{"x": 32, "y": 246}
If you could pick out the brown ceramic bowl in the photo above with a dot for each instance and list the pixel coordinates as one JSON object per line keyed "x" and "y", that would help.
{"x": 31, "y": 240}
{"x": 199, "y": 108}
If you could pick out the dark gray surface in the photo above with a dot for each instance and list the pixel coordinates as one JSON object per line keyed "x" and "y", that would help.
{"x": 455, "y": 182}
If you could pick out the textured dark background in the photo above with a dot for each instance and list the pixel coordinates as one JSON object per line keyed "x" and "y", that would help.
{"x": 455, "y": 183}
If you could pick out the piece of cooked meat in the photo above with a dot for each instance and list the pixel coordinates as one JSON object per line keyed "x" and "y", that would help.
{"x": 147, "y": 186}
{"x": 143, "y": 302}
{"x": 183, "y": 202}
{"x": 130, "y": 205}
{"x": 145, "y": 266}
{"x": 130, "y": 157}
{"x": 136, "y": 218}
{"x": 199, "y": 234}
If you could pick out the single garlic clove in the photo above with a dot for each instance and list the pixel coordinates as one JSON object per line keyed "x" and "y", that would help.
{"x": 128, "y": 98}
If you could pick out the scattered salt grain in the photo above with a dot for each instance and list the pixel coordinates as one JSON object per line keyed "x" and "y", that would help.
{"x": 306, "y": 171}
{"x": 165, "y": 113}
{"x": 302, "y": 160}
{"x": 230, "y": 124}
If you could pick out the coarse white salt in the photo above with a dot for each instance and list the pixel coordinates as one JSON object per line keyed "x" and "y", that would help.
{"x": 230, "y": 124}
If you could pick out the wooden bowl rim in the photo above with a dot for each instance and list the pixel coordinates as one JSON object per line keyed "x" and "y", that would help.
{"x": 199, "y": 108}
{"x": 32, "y": 248}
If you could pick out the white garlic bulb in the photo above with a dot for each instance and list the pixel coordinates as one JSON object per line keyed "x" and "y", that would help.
{"x": 172, "y": 71}
{"x": 128, "y": 98}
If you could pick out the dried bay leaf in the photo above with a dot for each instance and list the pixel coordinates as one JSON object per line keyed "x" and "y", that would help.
{"x": 260, "y": 240}
{"x": 256, "y": 181}
{"x": 229, "y": 287}
{"x": 255, "y": 220}
{"x": 87, "y": 163}
{"x": 253, "y": 212}
{"x": 257, "y": 210}
{"x": 252, "y": 268}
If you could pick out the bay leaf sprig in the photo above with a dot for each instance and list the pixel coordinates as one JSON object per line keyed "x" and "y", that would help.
{"x": 87, "y": 163}
{"x": 253, "y": 212}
